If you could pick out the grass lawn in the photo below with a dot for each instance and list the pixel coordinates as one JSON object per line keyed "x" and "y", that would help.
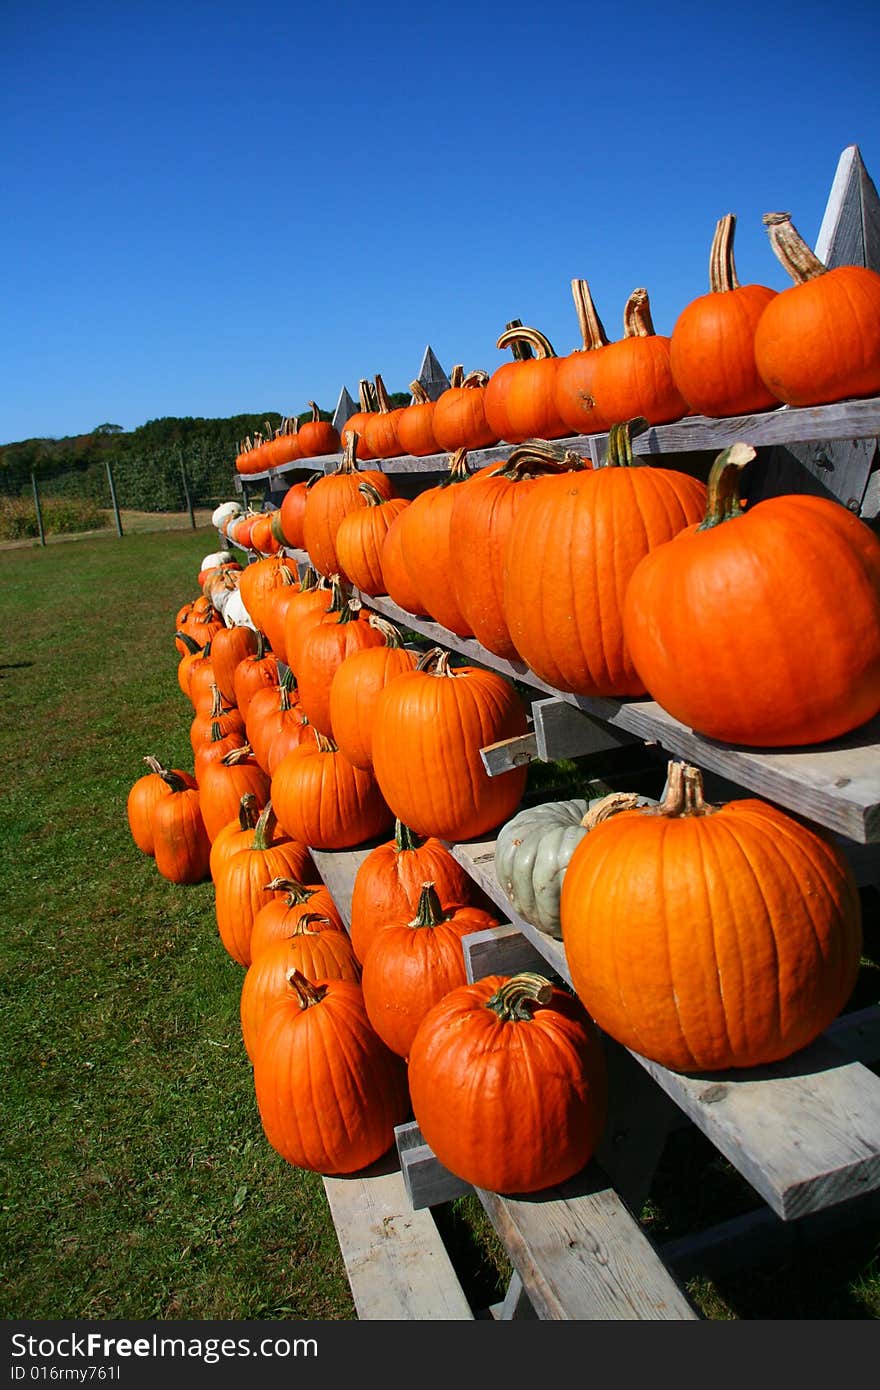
{"x": 137, "y": 1180}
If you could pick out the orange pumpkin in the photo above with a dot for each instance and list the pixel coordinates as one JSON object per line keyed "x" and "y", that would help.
{"x": 633, "y": 377}
{"x": 427, "y": 546}
{"x": 357, "y": 684}
{"x": 529, "y": 390}
{"x": 415, "y": 429}
{"x": 316, "y": 947}
{"x": 459, "y": 419}
{"x": 317, "y": 437}
{"x": 574, "y": 375}
{"x": 333, "y": 497}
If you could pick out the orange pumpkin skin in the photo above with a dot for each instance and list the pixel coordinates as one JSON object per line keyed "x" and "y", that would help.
{"x": 459, "y": 419}
{"x": 328, "y": 1090}
{"x": 360, "y": 539}
{"x": 584, "y": 533}
{"x": 395, "y": 575}
{"x": 427, "y": 547}
{"x": 318, "y": 949}
{"x": 712, "y": 352}
{"x": 526, "y": 391}
{"x": 323, "y": 649}
{"x": 317, "y": 437}
{"x": 716, "y": 624}
{"x": 223, "y": 785}
{"x": 181, "y": 846}
{"x": 241, "y": 885}
{"x": 634, "y": 376}
{"x": 388, "y": 883}
{"x": 510, "y": 1104}
{"x": 278, "y": 919}
{"x": 415, "y": 429}
{"x": 709, "y": 941}
{"x": 259, "y": 579}
{"x": 354, "y": 689}
{"x": 325, "y": 801}
{"x": 428, "y": 730}
{"x": 253, "y": 672}
{"x": 293, "y": 512}
{"x": 411, "y": 964}
{"x": 329, "y": 500}
{"x": 142, "y": 798}
{"x": 228, "y": 648}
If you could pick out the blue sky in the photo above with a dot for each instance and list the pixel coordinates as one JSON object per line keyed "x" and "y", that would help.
{"x": 214, "y": 208}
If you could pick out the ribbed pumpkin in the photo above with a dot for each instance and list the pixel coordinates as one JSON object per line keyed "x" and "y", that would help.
{"x": 317, "y": 437}
{"x": 343, "y": 630}
{"x": 151, "y": 787}
{"x": 380, "y": 426}
{"x": 574, "y": 374}
{"x": 412, "y": 962}
{"x": 634, "y": 376}
{"x": 275, "y": 607}
{"x": 263, "y": 539}
{"x": 415, "y": 427}
{"x": 211, "y": 727}
{"x": 316, "y": 947}
{"x": 291, "y": 902}
{"x": 495, "y": 395}
{"x": 293, "y": 511}
{"x": 735, "y": 630}
{"x": 429, "y": 727}
{"x": 819, "y": 340}
{"x": 237, "y": 833}
{"x": 224, "y": 783}
{"x": 508, "y": 1083}
{"x": 584, "y": 533}
{"x": 388, "y": 883}
{"x": 428, "y": 550}
{"x": 228, "y": 648}
{"x": 193, "y": 656}
{"x": 333, "y": 497}
{"x": 202, "y": 682}
{"x": 482, "y": 515}
{"x": 708, "y": 937}
{"x": 181, "y": 846}
{"x": 361, "y": 537}
{"x": 529, "y": 390}
{"x": 356, "y": 685}
{"x": 200, "y": 623}
{"x": 240, "y": 887}
{"x": 395, "y": 575}
{"x": 259, "y": 579}
{"x": 328, "y": 1090}
{"x": 712, "y": 348}
{"x": 459, "y": 419}
{"x": 309, "y": 606}
{"x": 356, "y": 423}
{"x": 270, "y": 712}
{"x": 325, "y": 801}
{"x": 253, "y": 672}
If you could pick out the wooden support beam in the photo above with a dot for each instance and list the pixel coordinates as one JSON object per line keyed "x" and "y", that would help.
{"x": 508, "y": 753}
{"x": 562, "y": 731}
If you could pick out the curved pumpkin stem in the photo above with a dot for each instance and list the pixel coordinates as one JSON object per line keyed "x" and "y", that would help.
{"x": 191, "y": 645}
{"x": 435, "y": 661}
{"x": 303, "y": 925}
{"x": 458, "y": 468}
{"x": 237, "y": 755}
{"x": 248, "y": 814}
{"x": 348, "y": 462}
{"x": 325, "y": 744}
{"x": 405, "y": 838}
{"x": 722, "y": 269}
{"x": 609, "y": 806}
{"x": 154, "y": 765}
{"x": 722, "y": 490}
{"x": 684, "y": 794}
{"x": 475, "y": 379}
{"x": 392, "y": 635}
{"x": 172, "y": 779}
{"x": 382, "y": 397}
{"x": 429, "y": 912}
{"x": 637, "y": 321}
{"x": 620, "y": 437}
{"x": 521, "y": 351}
{"x": 593, "y": 333}
{"x": 790, "y": 249}
{"x": 371, "y": 493}
{"x": 307, "y": 993}
{"x": 536, "y": 456}
{"x": 342, "y": 601}
{"x": 515, "y": 1000}
{"x": 297, "y": 893}
{"x": 419, "y": 394}
{"x": 535, "y": 339}
{"x": 265, "y": 827}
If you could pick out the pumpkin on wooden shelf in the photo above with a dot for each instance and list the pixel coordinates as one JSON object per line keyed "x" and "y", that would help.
{"x": 412, "y": 962}
{"x": 357, "y": 423}
{"x": 253, "y": 671}
{"x": 325, "y": 801}
{"x": 761, "y": 625}
{"x": 259, "y": 579}
{"x": 357, "y": 684}
{"x": 361, "y": 538}
{"x": 224, "y": 783}
{"x": 580, "y": 535}
{"x": 819, "y": 340}
{"x": 333, "y": 497}
{"x": 215, "y": 722}
{"x": 228, "y": 647}
{"x": 315, "y": 946}
{"x": 380, "y": 425}
{"x": 495, "y": 398}
{"x": 328, "y": 1090}
{"x": 710, "y": 937}
{"x": 274, "y": 609}
{"x": 395, "y": 574}
{"x": 508, "y": 1083}
{"x": 459, "y": 419}
{"x": 633, "y": 376}
{"x": 149, "y": 788}
{"x": 317, "y": 437}
{"x": 712, "y": 348}
{"x": 574, "y": 375}
{"x": 388, "y": 882}
{"x": 343, "y": 630}
{"x": 429, "y": 727}
{"x": 293, "y": 511}
{"x": 271, "y": 712}
{"x": 534, "y": 847}
{"x": 427, "y": 546}
{"x": 528, "y": 390}
{"x": 415, "y": 430}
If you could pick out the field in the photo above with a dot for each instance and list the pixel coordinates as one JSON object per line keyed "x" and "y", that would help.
{"x": 138, "y": 1183}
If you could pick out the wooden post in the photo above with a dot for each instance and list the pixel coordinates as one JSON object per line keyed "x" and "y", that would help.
{"x": 189, "y": 505}
{"x": 113, "y": 498}
{"x": 37, "y": 509}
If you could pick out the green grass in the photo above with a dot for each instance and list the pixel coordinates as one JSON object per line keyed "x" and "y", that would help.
{"x": 137, "y": 1179}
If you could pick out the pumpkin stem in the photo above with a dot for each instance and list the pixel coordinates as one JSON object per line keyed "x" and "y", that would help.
{"x": 520, "y": 350}
{"x": 476, "y": 378}
{"x": 418, "y": 393}
{"x": 191, "y": 646}
{"x": 342, "y": 601}
{"x": 297, "y": 893}
{"x": 456, "y": 376}
{"x": 248, "y": 814}
{"x": 316, "y": 414}
{"x": 722, "y": 490}
{"x": 392, "y": 635}
{"x": 307, "y": 993}
{"x": 216, "y": 701}
{"x": 303, "y": 925}
{"x": 620, "y": 437}
{"x": 372, "y": 494}
{"x": 536, "y": 456}
{"x": 722, "y": 268}
{"x": 325, "y": 744}
{"x": 542, "y": 345}
{"x": 429, "y": 912}
{"x": 684, "y": 794}
{"x": 458, "y": 468}
{"x": 430, "y": 658}
{"x": 637, "y": 321}
{"x": 790, "y": 249}
{"x": 609, "y": 806}
{"x": 237, "y": 755}
{"x": 382, "y": 395}
{"x": 154, "y": 765}
{"x": 405, "y": 838}
{"x": 593, "y": 332}
{"x": 263, "y": 647}
{"x": 350, "y": 441}
{"x": 172, "y": 779}
{"x": 265, "y": 828}
{"x": 514, "y": 1001}
{"x": 287, "y": 685}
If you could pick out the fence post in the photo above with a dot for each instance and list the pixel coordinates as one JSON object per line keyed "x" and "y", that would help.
{"x": 189, "y": 505}
{"x": 113, "y": 498}
{"x": 37, "y": 509}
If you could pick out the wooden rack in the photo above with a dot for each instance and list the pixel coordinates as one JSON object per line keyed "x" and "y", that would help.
{"x": 804, "y": 1133}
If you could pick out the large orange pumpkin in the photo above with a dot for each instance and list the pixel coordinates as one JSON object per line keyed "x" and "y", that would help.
{"x": 317, "y": 437}
{"x": 315, "y": 946}
{"x": 633, "y": 376}
{"x": 459, "y": 419}
{"x": 428, "y": 549}
{"x": 819, "y": 340}
{"x": 415, "y": 430}
{"x": 361, "y": 538}
{"x": 429, "y": 727}
{"x": 574, "y": 375}
{"x": 324, "y": 800}
{"x": 241, "y": 885}
{"x": 357, "y": 684}
{"x": 734, "y": 628}
{"x": 380, "y": 426}
{"x": 529, "y": 390}
{"x": 709, "y": 937}
{"x": 333, "y": 497}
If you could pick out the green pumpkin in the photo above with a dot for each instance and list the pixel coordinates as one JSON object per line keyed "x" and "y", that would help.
{"x": 532, "y": 853}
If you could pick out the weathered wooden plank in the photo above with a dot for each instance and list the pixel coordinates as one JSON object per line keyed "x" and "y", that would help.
{"x": 508, "y": 754}
{"x": 503, "y": 950}
{"x": 852, "y": 214}
{"x": 396, "y": 1262}
{"x": 478, "y": 858}
{"x": 515, "y": 1306}
{"x": 426, "y": 1180}
{"x": 338, "y": 869}
{"x": 581, "y": 1254}
{"x": 563, "y": 731}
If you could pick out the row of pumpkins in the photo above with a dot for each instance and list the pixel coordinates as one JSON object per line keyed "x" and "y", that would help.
{"x": 702, "y": 937}
{"x": 735, "y": 350}
{"x": 618, "y": 581}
